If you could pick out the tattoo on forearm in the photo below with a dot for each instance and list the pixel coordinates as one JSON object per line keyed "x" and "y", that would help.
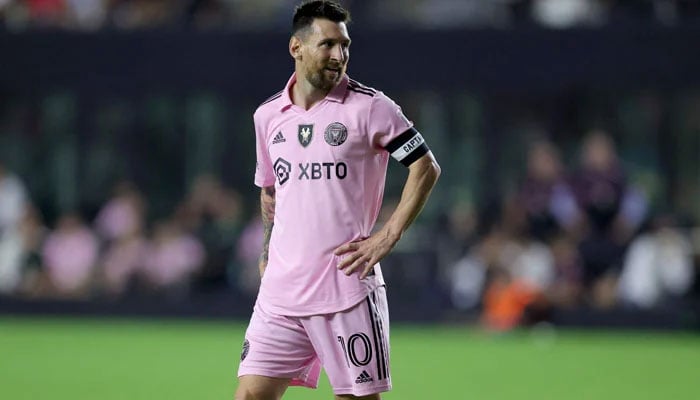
{"x": 267, "y": 206}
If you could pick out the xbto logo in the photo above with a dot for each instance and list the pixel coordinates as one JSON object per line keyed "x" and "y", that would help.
{"x": 310, "y": 171}
{"x": 325, "y": 170}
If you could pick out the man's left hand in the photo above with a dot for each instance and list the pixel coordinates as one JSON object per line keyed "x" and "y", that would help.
{"x": 363, "y": 254}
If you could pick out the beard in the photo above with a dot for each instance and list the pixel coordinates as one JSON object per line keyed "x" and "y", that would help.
{"x": 323, "y": 79}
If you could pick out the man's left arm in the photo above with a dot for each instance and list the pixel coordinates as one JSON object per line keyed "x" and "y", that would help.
{"x": 364, "y": 254}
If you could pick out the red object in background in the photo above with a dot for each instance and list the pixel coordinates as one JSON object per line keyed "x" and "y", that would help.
{"x": 45, "y": 8}
{"x": 505, "y": 302}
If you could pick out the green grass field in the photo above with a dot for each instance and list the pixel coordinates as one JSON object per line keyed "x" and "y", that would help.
{"x": 107, "y": 359}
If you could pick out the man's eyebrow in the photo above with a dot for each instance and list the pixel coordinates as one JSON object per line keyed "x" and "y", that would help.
{"x": 342, "y": 40}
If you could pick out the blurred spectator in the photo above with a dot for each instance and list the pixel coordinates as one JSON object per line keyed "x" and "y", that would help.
{"x": 5, "y": 6}
{"x": 199, "y": 203}
{"x": 123, "y": 215}
{"x": 47, "y": 13}
{"x": 171, "y": 259}
{"x": 144, "y": 14}
{"x": 13, "y": 14}
{"x": 86, "y": 14}
{"x": 70, "y": 256}
{"x": 219, "y": 233}
{"x": 20, "y": 254}
{"x": 13, "y": 198}
{"x": 10, "y": 261}
{"x": 524, "y": 257}
{"x": 248, "y": 251}
{"x": 33, "y": 234}
{"x": 209, "y": 13}
{"x": 458, "y": 13}
{"x": 658, "y": 267}
{"x": 453, "y": 234}
{"x": 265, "y": 14}
{"x": 215, "y": 214}
{"x": 506, "y": 301}
{"x": 613, "y": 212}
{"x": 122, "y": 260}
{"x": 566, "y": 289}
{"x": 545, "y": 194}
{"x": 563, "y": 14}
{"x": 435, "y": 14}
{"x": 468, "y": 276}
{"x": 603, "y": 191}
{"x": 506, "y": 253}
{"x": 509, "y": 270}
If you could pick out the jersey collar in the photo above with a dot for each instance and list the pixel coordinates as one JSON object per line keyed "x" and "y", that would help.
{"x": 336, "y": 95}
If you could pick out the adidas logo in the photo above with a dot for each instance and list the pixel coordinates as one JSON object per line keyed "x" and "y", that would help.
{"x": 279, "y": 138}
{"x": 364, "y": 378}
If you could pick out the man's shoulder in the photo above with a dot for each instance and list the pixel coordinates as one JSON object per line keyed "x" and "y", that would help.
{"x": 271, "y": 103}
{"x": 361, "y": 91}
{"x": 366, "y": 96}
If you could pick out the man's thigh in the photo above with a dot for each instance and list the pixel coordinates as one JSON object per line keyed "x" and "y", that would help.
{"x": 255, "y": 387}
{"x": 278, "y": 347}
{"x": 353, "y": 346}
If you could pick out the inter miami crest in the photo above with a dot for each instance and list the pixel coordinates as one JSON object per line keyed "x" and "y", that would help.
{"x": 306, "y": 133}
{"x": 335, "y": 134}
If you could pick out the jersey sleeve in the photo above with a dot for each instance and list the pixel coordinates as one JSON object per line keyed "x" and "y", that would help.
{"x": 391, "y": 130}
{"x": 264, "y": 174}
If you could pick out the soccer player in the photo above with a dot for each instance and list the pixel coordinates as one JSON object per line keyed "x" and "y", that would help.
{"x": 323, "y": 144}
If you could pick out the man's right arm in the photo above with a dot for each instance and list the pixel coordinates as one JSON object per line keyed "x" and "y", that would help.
{"x": 267, "y": 210}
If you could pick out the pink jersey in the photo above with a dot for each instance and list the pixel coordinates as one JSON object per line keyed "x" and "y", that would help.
{"x": 328, "y": 165}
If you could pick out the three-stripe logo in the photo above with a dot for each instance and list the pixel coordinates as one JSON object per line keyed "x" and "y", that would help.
{"x": 279, "y": 138}
{"x": 364, "y": 377}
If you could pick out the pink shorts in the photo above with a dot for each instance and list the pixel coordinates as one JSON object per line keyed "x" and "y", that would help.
{"x": 352, "y": 346}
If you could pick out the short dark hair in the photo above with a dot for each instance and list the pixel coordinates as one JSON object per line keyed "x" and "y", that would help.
{"x": 306, "y": 12}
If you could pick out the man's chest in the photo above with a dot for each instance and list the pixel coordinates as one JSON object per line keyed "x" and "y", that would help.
{"x": 320, "y": 147}
{"x": 320, "y": 138}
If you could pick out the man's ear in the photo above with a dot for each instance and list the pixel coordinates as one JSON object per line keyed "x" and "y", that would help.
{"x": 295, "y": 48}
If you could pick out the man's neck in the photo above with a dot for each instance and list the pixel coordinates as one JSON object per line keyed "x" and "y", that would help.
{"x": 305, "y": 95}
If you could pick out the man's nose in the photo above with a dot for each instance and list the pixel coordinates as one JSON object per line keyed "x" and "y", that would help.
{"x": 338, "y": 53}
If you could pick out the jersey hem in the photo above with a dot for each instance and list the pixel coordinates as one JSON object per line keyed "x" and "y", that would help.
{"x": 367, "y": 392}
{"x": 262, "y": 183}
{"x": 289, "y": 312}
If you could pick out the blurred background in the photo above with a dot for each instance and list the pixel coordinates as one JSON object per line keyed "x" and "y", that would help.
{"x": 568, "y": 132}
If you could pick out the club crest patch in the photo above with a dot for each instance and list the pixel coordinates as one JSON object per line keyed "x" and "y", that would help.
{"x": 246, "y": 347}
{"x": 305, "y": 134}
{"x": 335, "y": 134}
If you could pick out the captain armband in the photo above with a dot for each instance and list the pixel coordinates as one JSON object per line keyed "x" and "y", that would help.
{"x": 408, "y": 147}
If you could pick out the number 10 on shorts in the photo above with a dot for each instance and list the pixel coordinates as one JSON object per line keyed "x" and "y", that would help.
{"x": 358, "y": 350}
